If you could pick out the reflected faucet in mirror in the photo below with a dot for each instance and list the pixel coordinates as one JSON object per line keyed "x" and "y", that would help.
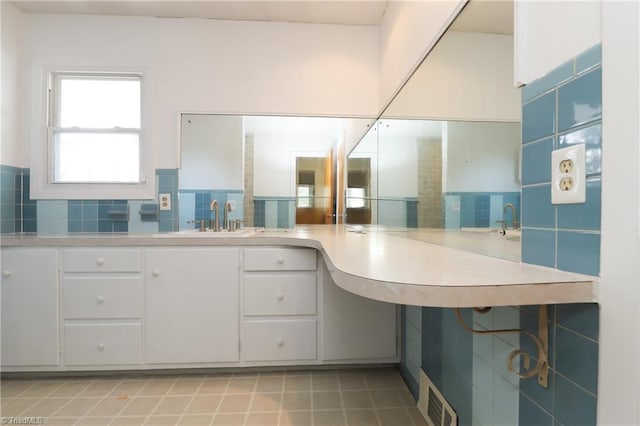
{"x": 515, "y": 223}
{"x": 215, "y": 223}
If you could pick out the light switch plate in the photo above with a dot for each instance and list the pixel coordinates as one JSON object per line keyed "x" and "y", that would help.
{"x": 568, "y": 175}
{"x": 165, "y": 201}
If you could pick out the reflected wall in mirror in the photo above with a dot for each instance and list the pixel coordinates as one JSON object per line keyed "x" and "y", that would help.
{"x": 262, "y": 166}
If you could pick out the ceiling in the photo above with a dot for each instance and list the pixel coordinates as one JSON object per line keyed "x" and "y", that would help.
{"x": 347, "y": 12}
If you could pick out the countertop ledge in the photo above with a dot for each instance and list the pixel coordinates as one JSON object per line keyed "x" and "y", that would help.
{"x": 381, "y": 265}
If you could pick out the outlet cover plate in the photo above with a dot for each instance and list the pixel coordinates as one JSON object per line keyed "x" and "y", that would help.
{"x": 577, "y": 175}
{"x": 165, "y": 201}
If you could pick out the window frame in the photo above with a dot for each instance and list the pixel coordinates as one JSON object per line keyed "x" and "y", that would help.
{"x": 43, "y": 184}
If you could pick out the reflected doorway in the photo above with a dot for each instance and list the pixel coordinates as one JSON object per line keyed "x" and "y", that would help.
{"x": 358, "y": 197}
{"x": 314, "y": 194}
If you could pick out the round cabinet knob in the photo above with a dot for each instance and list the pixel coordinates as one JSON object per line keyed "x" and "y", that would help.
{"x": 155, "y": 273}
{"x": 100, "y": 299}
{"x": 6, "y": 274}
{"x": 280, "y": 296}
{"x": 280, "y": 260}
{"x": 101, "y": 346}
{"x": 100, "y": 261}
{"x": 280, "y": 342}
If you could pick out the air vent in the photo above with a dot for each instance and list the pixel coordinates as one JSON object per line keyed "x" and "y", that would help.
{"x": 434, "y": 408}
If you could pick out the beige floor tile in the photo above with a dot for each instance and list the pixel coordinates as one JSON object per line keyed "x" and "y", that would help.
{"x": 42, "y": 389}
{"x": 270, "y": 383}
{"x": 262, "y": 419}
{"x": 162, "y": 420}
{"x": 416, "y": 416}
{"x": 171, "y": 405}
{"x": 129, "y": 388}
{"x": 100, "y": 388}
{"x": 186, "y": 386}
{"x": 361, "y": 418}
{"x": 204, "y": 404}
{"x": 17, "y": 406}
{"x": 235, "y": 403}
{"x": 406, "y": 398}
{"x": 297, "y": 383}
{"x": 326, "y": 400}
{"x": 141, "y": 406}
{"x": 296, "y": 401}
{"x": 242, "y": 384}
{"x": 266, "y": 402}
{"x": 95, "y": 421}
{"x": 386, "y": 399}
{"x": 394, "y": 417}
{"x": 214, "y": 385}
{"x": 352, "y": 382}
{"x": 381, "y": 381}
{"x": 157, "y": 387}
{"x": 78, "y": 407}
{"x": 14, "y": 388}
{"x": 197, "y": 420}
{"x": 324, "y": 383}
{"x": 328, "y": 418}
{"x": 71, "y": 388}
{"x": 61, "y": 421}
{"x": 356, "y": 399}
{"x": 110, "y": 406}
{"x": 295, "y": 418}
{"x": 128, "y": 421}
{"x": 229, "y": 420}
{"x": 46, "y": 407}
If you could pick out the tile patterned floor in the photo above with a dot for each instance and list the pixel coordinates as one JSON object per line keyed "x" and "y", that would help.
{"x": 367, "y": 397}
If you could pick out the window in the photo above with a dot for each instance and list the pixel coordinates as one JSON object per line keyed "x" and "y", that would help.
{"x": 355, "y": 198}
{"x": 304, "y": 195}
{"x": 94, "y": 128}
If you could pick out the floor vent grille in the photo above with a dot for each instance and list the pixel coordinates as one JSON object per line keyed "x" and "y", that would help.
{"x": 434, "y": 408}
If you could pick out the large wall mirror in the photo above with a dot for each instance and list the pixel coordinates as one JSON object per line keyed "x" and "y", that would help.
{"x": 445, "y": 153}
{"x": 275, "y": 171}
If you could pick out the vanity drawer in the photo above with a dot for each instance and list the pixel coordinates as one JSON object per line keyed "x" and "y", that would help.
{"x": 101, "y": 260}
{"x": 102, "y": 297}
{"x": 104, "y": 344}
{"x": 279, "y": 259}
{"x": 280, "y": 294}
{"x": 280, "y": 340}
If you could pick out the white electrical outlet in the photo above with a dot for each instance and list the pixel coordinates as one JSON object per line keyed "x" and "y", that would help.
{"x": 568, "y": 175}
{"x": 165, "y": 201}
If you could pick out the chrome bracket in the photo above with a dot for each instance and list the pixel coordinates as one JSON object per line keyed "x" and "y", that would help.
{"x": 541, "y": 341}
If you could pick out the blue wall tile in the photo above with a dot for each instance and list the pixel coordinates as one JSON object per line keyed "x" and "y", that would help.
{"x": 531, "y": 414}
{"x": 577, "y": 358}
{"x": 585, "y": 215}
{"x": 537, "y": 210}
{"x": 539, "y": 118}
{"x": 574, "y": 406}
{"x": 580, "y": 101}
{"x": 589, "y": 58}
{"x": 580, "y": 317}
{"x": 579, "y": 252}
{"x": 592, "y": 138}
{"x": 549, "y": 81}
{"x": 536, "y": 162}
{"x": 283, "y": 214}
{"x": 539, "y": 247}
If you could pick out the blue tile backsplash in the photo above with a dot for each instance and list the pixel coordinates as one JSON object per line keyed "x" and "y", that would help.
{"x": 565, "y": 236}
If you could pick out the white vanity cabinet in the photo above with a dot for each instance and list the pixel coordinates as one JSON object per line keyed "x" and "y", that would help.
{"x": 30, "y": 335}
{"x": 102, "y": 307}
{"x": 192, "y": 305}
{"x": 280, "y": 323}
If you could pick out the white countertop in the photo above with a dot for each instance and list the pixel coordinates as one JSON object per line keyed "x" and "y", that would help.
{"x": 399, "y": 266}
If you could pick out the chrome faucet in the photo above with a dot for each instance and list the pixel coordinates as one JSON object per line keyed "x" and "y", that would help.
{"x": 226, "y": 210}
{"x": 215, "y": 223}
{"x": 514, "y": 216}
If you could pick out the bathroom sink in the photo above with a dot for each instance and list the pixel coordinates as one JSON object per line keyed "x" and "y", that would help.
{"x": 207, "y": 234}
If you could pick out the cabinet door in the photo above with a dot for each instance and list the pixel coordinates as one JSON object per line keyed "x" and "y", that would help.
{"x": 192, "y": 311}
{"x": 30, "y": 307}
{"x": 354, "y": 327}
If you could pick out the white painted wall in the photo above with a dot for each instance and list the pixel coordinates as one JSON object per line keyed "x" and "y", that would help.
{"x": 212, "y": 66}
{"x": 12, "y": 28}
{"x": 619, "y": 370}
{"x": 467, "y": 76}
{"x": 212, "y": 152}
{"x": 397, "y": 159}
{"x": 408, "y": 31}
{"x": 549, "y": 33}
{"x": 482, "y": 157}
